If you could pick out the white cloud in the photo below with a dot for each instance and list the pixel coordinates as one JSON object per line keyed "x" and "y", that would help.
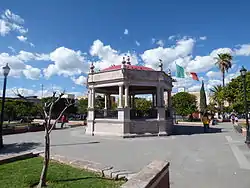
{"x": 243, "y": 50}
{"x": 81, "y": 80}
{"x": 67, "y": 62}
{"x": 213, "y": 74}
{"x": 172, "y": 37}
{"x": 215, "y": 52}
{"x": 12, "y": 49}
{"x": 11, "y": 22}
{"x": 137, "y": 43}
{"x": 182, "y": 49}
{"x": 18, "y": 66}
{"x": 153, "y": 40}
{"x": 32, "y": 73}
{"x": 194, "y": 88}
{"x": 126, "y": 32}
{"x": 108, "y": 56}
{"x": 4, "y": 28}
{"x": 203, "y": 38}
{"x": 160, "y": 43}
{"x": 22, "y": 38}
{"x": 12, "y": 17}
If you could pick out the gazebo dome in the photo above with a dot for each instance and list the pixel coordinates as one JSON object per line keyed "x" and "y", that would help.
{"x": 131, "y": 67}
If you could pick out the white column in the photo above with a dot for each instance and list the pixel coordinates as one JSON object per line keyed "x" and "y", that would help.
{"x": 120, "y": 96}
{"x": 93, "y": 98}
{"x": 126, "y": 96}
{"x": 89, "y": 97}
{"x": 169, "y": 99}
{"x": 105, "y": 101}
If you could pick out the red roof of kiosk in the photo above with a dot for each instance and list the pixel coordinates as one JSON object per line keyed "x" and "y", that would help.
{"x": 132, "y": 67}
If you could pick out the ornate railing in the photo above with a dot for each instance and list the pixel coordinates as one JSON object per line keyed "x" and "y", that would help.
{"x": 101, "y": 113}
{"x": 143, "y": 114}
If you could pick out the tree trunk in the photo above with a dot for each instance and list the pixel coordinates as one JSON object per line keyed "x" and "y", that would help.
{"x": 43, "y": 176}
{"x": 223, "y": 79}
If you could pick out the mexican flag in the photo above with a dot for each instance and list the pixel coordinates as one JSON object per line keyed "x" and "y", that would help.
{"x": 180, "y": 73}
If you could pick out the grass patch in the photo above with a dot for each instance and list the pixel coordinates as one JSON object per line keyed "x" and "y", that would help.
{"x": 26, "y": 173}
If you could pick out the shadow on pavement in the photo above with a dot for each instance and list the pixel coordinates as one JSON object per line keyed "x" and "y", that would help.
{"x": 188, "y": 130}
{"x": 19, "y": 147}
{"x": 73, "y": 144}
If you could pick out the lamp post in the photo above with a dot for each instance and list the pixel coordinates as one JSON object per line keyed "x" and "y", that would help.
{"x": 243, "y": 73}
{"x": 6, "y": 71}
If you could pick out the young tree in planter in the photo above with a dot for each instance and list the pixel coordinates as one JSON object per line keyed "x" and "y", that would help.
{"x": 47, "y": 109}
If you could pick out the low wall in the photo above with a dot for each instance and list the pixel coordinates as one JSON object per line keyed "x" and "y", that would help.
{"x": 144, "y": 126}
{"x": 154, "y": 175}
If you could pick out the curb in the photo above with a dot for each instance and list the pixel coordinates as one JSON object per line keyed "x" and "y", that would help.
{"x": 17, "y": 157}
{"x": 105, "y": 171}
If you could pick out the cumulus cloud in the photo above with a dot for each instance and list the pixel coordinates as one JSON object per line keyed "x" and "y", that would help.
{"x": 182, "y": 49}
{"x": 11, "y": 22}
{"x": 18, "y": 66}
{"x": 126, "y": 32}
{"x": 160, "y": 43}
{"x": 172, "y": 37}
{"x": 81, "y": 80}
{"x": 31, "y": 72}
{"x": 66, "y": 62}
{"x": 203, "y": 38}
{"x": 22, "y": 38}
{"x": 213, "y": 74}
{"x": 137, "y": 43}
{"x": 242, "y": 50}
{"x": 107, "y": 56}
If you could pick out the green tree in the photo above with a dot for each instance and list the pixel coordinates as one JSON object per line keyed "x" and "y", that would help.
{"x": 184, "y": 103}
{"x": 203, "y": 99}
{"x": 218, "y": 96}
{"x": 82, "y": 106}
{"x": 224, "y": 62}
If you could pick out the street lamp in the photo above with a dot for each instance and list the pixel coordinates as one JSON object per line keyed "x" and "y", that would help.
{"x": 243, "y": 73}
{"x": 6, "y": 71}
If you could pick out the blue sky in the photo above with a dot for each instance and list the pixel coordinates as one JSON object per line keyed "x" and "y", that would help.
{"x": 53, "y": 42}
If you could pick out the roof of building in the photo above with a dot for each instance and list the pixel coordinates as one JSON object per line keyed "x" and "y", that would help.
{"x": 131, "y": 67}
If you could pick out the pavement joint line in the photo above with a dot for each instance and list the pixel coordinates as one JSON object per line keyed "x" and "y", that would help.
{"x": 242, "y": 160}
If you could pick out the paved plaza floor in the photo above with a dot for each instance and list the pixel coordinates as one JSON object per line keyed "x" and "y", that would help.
{"x": 219, "y": 159}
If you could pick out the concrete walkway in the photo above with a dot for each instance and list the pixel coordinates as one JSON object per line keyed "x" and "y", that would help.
{"x": 218, "y": 159}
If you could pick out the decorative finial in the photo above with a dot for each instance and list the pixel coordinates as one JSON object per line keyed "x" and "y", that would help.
{"x": 161, "y": 65}
{"x": 123, "y": 61}
{"x": 92, "y": 67}
{"x": 169, "y": 72}
{"x": 128, "y": 61}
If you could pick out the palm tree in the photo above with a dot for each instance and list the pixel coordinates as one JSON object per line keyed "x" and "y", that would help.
{"x": 224, "y": 62}
{"x": 218, "y": 96}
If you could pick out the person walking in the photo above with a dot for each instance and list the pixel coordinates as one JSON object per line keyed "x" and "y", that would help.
{"x": 205, "y": 121}
{"x": 63, "y": 120}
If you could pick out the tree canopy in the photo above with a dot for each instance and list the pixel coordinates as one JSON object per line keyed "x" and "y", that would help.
{"x": 233, "y": 93}
{"x": 184, "y": 103}
{"x": 203, "y": 99}
{"x": 224, "y": 62}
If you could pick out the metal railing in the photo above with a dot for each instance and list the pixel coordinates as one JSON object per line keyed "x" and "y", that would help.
{"x": 101, "y": 113}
